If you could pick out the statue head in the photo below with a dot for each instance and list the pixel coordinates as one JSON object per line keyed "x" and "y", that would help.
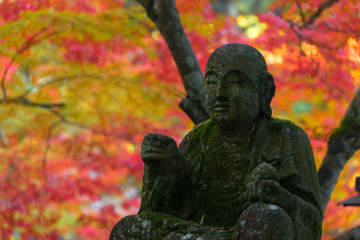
{"x": 238, "y": 86}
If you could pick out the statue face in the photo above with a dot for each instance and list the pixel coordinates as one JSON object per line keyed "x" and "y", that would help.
{"x": 231, "y": 97}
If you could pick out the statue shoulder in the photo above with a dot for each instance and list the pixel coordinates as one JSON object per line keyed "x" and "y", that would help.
{"x": 298, "y": 164}
{"x": 195, "y": 135}
{"x": 282, "y": 126}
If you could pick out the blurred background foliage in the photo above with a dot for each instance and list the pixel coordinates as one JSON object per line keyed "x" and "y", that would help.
{"x": 83, "y": 81}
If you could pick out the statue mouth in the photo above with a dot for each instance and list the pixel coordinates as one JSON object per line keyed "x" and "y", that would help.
{"x": 221, "y": 107}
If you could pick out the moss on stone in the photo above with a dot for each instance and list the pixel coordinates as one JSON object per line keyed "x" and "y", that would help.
{"x": 279, "y": 125}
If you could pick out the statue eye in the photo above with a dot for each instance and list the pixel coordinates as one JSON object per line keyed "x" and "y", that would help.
{"x": 232, "y": 78}
{"x": 211, "y": 79}
{"x": 235, "y": 77}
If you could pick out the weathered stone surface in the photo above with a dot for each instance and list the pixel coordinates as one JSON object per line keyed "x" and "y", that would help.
{"x": 153, "y": 225}
{"x": 234, "y": 174}
{"x": 264, "y": 221}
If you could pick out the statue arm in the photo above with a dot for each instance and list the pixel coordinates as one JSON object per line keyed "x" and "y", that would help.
{"x": 298, "y": 178}
{"x": 287, "y": 178}
{"x": 164, "y": 174}
{"x": 298, "y": 202}
{"x": 304, "y": 185}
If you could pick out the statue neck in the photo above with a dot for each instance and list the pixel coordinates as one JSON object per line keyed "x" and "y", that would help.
{"x": 241, "y": 132}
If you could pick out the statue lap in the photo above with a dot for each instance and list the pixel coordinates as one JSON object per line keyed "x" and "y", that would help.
{"x": 154, "y": 225}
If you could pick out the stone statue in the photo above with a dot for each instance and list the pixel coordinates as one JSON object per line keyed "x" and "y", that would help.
{"x": 239, "y": 175}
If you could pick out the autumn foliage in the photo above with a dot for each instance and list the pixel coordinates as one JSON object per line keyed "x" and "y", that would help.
{"x": 83, "y": 81}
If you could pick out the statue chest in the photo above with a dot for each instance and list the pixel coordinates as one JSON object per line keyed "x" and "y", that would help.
{"x": 225, "y": 160}
{"x": 219, "y": 175}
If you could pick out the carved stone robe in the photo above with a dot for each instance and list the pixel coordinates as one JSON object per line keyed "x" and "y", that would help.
{"x": 208, "y": 186}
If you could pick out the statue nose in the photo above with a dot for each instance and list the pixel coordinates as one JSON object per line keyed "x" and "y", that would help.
{"x": 221, "y": 89}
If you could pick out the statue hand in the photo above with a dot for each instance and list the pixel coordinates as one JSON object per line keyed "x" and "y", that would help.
{"x": 263, "y": 185}
{"x": 271, "y": 192}
{"x": 159, "y": 151}
{"x": 262, "y": 172}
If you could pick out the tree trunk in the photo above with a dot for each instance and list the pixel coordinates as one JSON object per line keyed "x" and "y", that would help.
{"x": 166, "y": 18}
{"x": 342, "y": 145}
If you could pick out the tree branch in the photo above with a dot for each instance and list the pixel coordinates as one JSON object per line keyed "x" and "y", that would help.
{"x": 346, "y": 139}
{"x": 351, "y": 234}
{"x": 327, "y": 25}
{"x": 63, "y": 120}
{"x": 342, "y": 145}
{"x": 320, "y": 9}
{"x": 166, "y": 17}
{"x": 301, "y": 11}
{"x": 25, "y": 46}
{"x": 98, "y": 131}
{"x": 57, "y": 79}
{"x": 26, "y": 102}
{"x": 302, "y": 38}
{"x": 47, "y": 147}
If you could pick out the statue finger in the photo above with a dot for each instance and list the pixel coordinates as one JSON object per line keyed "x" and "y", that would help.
{"x": 265, "y": 171}
{"x": 268, "y": 190}
{"x": 159, "y": 140}
{"x": 251, "y": 191}
{"x": 152, "y": 158}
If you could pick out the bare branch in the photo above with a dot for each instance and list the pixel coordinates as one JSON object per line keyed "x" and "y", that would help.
{"x": 300, "y": 11}
{"x": 22, "y": 100}
{"x": 3, "y": 88}
{"x": 26, "y": 102}
{"x": 327, "y": 25}
{"x": 58, "y": 79}
{"x": 98, "y": 131}
{"x": 310, "y": 21}
{"x": 63, "y": 120}
{"x": 25, "y": 46}
{"x": 47, "y": 147}
{"x": 292, "y": 26}
{"x": 302, "y": 38}
{"x": 320, "y": 9}
{"x": 313, "y": 17}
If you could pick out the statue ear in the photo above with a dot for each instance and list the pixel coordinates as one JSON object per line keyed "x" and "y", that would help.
{"x": 267, "y": 86}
